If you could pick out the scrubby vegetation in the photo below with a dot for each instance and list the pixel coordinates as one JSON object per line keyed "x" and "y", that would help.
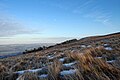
{"x": 34, "y": 50}
{"x": 76, "y": 60}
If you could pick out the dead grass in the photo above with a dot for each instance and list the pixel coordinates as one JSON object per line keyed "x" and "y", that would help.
{"x": 91, "y": 62}
{"x": 94, "y": 68}
{"x": 54, "y": 70}
{"x": 28, "y": 76}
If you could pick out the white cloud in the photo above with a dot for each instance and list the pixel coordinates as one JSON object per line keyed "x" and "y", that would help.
{"x": 10, "y": 27}
{"x": 91, "y": 9}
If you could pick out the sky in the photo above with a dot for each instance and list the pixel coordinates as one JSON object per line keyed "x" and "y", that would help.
{"x": 54, "y": 21}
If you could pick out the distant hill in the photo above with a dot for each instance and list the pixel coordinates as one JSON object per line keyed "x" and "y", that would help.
{"x": 87, "y": 41}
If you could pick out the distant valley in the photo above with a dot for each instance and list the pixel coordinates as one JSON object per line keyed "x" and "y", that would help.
{"x": 19, "y": 48}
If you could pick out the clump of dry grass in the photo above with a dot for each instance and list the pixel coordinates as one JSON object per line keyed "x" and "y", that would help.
{"x": 28, "y": 76}
{"x": 5, "y": 74}
{"x": 18, "y": 66}
{"x": 93, "y": 69}
{"x": 54, "y": 69}
{"x": 3, "y": 70}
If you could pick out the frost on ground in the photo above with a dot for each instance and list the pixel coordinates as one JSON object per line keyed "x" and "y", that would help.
{"x": 98, "y": 57}
{"x": 105, "y": 45}
{"x": 111, "y": 61}
{"x": 34, "y": 70}
{"x": 43, "y": 76}
{"x": 108, "y": 48}
{"x": 62, "y": 59}
{"x": 50, "y": 57}
{"x": 70, "y": 64}
{"x": 68, "y": 72}
{"x": 83, "y": 46}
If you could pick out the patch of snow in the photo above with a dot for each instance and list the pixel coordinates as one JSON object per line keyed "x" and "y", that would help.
{"x": 98, "y": 57}
{"x": 21, "y": 72}
{"x": 105, "y": 45}
{"x": 111, "y": 61}
{"x": 83, "y": 46}
{"x": 69, "y": 64}
{"x": 34, "y": 70}
{"x": 50, "y": 57}
{"x": 62, "y": 59}
{"x": 108, "y": 48}
{"x": 68, "y": 72}
{"x": 89, "y": 46}
{"x": 43, "y": 76}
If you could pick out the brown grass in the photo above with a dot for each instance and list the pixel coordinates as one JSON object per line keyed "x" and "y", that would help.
{"x": 54, "y": 69}
{"x": 88, "y": 66}
{"x": 28, "y": 76}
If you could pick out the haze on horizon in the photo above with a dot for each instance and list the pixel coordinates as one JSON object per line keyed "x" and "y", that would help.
{"x": 52, "y": 21}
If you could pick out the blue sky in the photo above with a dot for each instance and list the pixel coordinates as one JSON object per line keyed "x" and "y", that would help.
{"x": 32, "y": 21}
